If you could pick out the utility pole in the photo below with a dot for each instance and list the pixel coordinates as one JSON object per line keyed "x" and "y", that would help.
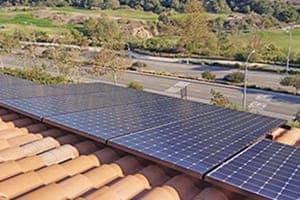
{"x": 246, "y": 80}
{"x": 289, "y": 31}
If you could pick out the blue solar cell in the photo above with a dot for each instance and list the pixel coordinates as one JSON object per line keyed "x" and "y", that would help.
{"x": 110, "y": 122}
{"x": 7, "y": 81}
{"x": 27, "y": 91}
{"x": 267, "y": 169}
{"x": 62, "y": 104}
{"x": 201, "y": 143}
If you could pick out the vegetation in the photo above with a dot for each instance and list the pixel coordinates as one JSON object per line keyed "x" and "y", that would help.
{"x": 109, "y": 61}
{"x": 277, "y": 9}
{"x": 208, "y": 75}
{"x": 65, "y": 62}
{"x": 137, "y": 65}
{"x": 103, "y": 31}
{"x": 7, "y": 42}
{"x": 295, "y": 123}
{"x": 135, "y": 86}
{"x": 218, "y": 99}
{"x": 195, "y": 35}
{"x": 235, "y": 77}
{"x": 36, "y": 74}
{"x": 293, "y": 81}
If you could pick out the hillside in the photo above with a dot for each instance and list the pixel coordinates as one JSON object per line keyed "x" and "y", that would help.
{"x": 281, "y": 10}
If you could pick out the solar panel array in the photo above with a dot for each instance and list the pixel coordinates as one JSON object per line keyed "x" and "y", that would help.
{"x": 267, "y": 169}
{"x": 115, "y": 121}
{"x": 6, "y": 81}
{"x": 56, "y": 105}
{"x": 200, "y": 144}
{"x": 192, "y": 137}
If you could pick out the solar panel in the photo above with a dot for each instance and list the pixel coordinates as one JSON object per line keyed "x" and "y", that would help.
{"x": 115, "y": 121}
{"x": 6, "y": 81}
{"x": 56, "y": 105}
{"x": 86, "y": 88}
{"x": 267, "y": 169}
{"x": 26, "y": 91}
{"x": 198, "y": 145}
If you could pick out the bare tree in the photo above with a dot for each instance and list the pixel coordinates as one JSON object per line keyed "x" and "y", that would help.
{"x": 66, "y": 62}
{"x": 110, "y": 61}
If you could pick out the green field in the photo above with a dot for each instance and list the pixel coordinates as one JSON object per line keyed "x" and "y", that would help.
{"x": 280, "y": 38}
{"x": 128, "y": 13}
{"x": 24, "y": 19}
{"x": 10, "y": 20}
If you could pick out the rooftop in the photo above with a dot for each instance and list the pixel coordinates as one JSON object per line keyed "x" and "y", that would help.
{"x": 37, "y": 160}
{"x": 102, "y": 142}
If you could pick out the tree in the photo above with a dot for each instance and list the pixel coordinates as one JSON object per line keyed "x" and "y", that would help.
{"x": 293, "y": 81}
{"x": 221, "y": 34}
{"x": 217, "y": 6}
{"x": 195, "y": 36}
{"x": 65, "y": 62}
{"x": 102, "y": 31}
{"x": 109, "y": 61}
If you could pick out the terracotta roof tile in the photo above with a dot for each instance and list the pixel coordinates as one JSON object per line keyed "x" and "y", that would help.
{"x": 289, "y": 137}
{"x": 41, "y": 162}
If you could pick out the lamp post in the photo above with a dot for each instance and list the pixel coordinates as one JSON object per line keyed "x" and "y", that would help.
{"x": 246, "y": 80}
{"x": 289, "y": 31}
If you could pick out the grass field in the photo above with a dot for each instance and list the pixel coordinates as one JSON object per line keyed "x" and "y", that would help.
{"x": 24, "y": 19}
{"x": 128, "y": 13}
{"x": 11, "y": 20}
{"x": 280, "y": 38}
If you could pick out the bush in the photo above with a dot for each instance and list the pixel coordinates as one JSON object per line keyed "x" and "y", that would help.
{"x": 135, "y": 86}
{"x": 235, "y": 77}
{"x": 218, "y": 99}
{"x": 35, "y": 74}
{"x": 137, "y": 65}
{"x": 298, "y": 116}
{"x": 208, "y": 75}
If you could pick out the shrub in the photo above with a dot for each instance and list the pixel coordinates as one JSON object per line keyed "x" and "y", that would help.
{"x": 218, "y": 99}
{"x": 35, "y": 74}
{"x": 137, "y": 65}
{"x": 208, "y": 75}
{"x": 293, "y": 81}
{"x": 235, "y": 77}
{"x": 135, "y": 86}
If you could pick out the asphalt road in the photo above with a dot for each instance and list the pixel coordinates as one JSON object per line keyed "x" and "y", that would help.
{"x": 261, "y": 79}
{"x": 263, "y": 102}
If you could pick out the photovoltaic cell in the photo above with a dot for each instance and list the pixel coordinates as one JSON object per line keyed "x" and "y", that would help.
{"x": 267, "y": 169}
{"x": 7, "y": 81}
{"x": 57, "y": 105}
{"x": 27, "y": 91}
{"x": 115, "y": 121}
{"x": 198, "y": 145}
{"x": 88, "y": 88}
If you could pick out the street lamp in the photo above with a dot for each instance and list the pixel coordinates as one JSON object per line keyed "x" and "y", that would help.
{"x": 246, "y": 80}
{"x": 289, "y": 31}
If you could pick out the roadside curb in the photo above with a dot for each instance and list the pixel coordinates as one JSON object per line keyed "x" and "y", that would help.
{"x": 210, "y": 83}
